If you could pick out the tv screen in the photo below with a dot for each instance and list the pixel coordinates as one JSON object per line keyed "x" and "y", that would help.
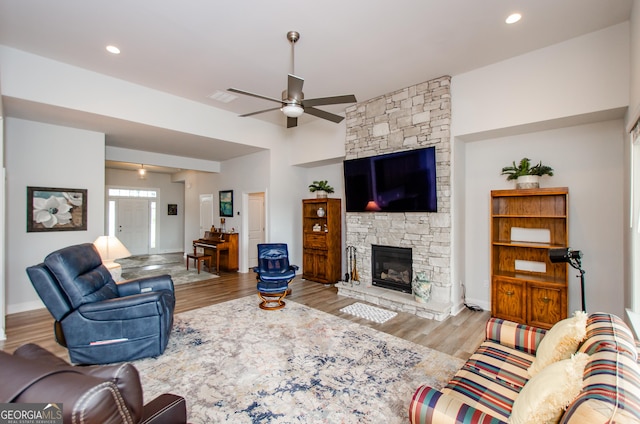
{"x": 395, "y": 182}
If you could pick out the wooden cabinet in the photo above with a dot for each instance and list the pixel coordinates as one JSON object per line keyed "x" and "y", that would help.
{"x": 322, "y": 240}
{"x": 526, "y": 286}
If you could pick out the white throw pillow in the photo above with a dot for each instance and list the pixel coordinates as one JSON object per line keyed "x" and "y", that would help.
{"x": 544, "y": 397}
{"x": 560, "y": 342}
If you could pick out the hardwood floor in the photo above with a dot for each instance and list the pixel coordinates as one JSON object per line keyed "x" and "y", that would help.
{"x": 458, "y": 336}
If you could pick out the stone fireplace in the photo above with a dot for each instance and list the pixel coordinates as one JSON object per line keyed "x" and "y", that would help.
{"x": 414, "y": 117}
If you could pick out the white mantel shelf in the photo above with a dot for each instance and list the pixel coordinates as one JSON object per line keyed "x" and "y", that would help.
{"x": 395, "y": 300}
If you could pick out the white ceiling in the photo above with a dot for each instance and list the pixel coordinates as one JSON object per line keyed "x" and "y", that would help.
{"x": 193, "y": 48}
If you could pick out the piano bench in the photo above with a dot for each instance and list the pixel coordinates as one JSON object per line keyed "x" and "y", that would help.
{"x": 198, "y": 259}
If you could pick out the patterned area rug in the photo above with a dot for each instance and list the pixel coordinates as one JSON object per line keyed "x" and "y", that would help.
{"x": 173, "y": 264}
{"x": 235, "y": 362}
{"x": 369, "y": 312}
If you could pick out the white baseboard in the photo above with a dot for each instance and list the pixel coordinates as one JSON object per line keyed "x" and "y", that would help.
{"x": 174, "y": 250}
{"x": 456, "y": 309}
{"x": 24, "y": 307}
{"x": 486, "y": 306}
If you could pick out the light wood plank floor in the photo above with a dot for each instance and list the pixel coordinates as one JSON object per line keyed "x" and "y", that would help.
{"x": 458, "y": 336}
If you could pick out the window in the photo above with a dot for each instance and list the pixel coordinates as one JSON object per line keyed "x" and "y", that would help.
{"x": 125, "y": 192}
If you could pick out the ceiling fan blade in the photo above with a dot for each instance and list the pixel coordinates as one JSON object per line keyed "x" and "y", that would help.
{"x": 247, "y": 93}
{"x": 292, "y": 122}
{"x": 324, "y": 115}
{"x": 260, "y": 111}
{"x": 349, "y": 98}
{"x": 294, "y": 87}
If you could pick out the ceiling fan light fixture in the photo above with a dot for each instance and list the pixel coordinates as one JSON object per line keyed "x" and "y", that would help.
{"x": 292, "y": 111}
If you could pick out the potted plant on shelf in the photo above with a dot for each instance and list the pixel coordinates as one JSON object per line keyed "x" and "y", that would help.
{"x": 321, "y": 188}
{"x": 526, "y": 176}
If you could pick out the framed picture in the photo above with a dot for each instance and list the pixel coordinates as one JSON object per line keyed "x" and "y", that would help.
{"x": 226, "y": 202}
{"x": 172, "y": 209}
{"x": 56, "y": 209}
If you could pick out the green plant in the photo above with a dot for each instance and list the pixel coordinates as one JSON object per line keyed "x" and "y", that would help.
{"x": 320, "y": 186}
{"x": 524, "y": 168}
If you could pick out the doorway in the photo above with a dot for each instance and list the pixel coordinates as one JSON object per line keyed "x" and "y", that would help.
{"x": 131, "y": 216}
{"x": 206, "y": 213}
{"x": 256, "y": 226}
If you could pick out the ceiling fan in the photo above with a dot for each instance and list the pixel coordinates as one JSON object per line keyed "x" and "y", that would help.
{"x": 293, "y": 103}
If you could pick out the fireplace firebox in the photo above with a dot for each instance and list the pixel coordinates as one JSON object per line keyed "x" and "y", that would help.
{"x": 391, "y": 267}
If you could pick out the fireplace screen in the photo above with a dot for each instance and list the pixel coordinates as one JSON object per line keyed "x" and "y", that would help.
{"x": 391, "y": 267}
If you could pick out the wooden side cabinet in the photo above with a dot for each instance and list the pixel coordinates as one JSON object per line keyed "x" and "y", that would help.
{"x": 322, "y": 240}
{"x": 526, "y": 286}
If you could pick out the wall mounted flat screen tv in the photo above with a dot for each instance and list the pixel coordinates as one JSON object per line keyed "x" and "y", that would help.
{"x": 395, "y": 182}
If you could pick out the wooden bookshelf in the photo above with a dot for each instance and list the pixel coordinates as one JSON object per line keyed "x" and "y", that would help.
{"x": 526, "y": 286}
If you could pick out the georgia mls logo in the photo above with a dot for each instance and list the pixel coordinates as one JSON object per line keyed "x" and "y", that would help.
{"x": 31, "y": 413}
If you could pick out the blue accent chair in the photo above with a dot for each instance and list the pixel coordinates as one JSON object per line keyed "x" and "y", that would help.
{"x": 97, "y": 320}
{"x": 273, "y": 274}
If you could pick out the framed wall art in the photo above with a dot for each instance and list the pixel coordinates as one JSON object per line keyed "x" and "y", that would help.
{"x": 172, "y": 209}
{"x": 226, "y": 202}
{"x": 56, "y": 209}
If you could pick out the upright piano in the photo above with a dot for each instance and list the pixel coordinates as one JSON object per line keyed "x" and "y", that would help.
{"x": 223, "y": 248}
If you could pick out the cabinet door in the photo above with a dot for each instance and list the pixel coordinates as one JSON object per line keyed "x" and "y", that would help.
{"x": 508, "y": 299}
{"x": 546, "y": 304}
{"x": 315, "y": 265}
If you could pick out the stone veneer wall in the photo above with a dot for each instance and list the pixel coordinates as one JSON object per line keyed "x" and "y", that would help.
{"x": 414, "y": 117}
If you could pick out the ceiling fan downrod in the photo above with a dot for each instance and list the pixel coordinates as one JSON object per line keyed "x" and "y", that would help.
{"x": 293, "y": 36}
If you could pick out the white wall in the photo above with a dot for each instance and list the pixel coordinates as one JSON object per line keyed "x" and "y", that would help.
{"x": 587, "y": 159}
{"x": 580, "y": 76}
{"x": 195, "y": 184}
{"x": 2, "y": 231}
{"x": 248, "y": 174}
{"x": 35, "y": 78}
{"x": 45, "y": 155}
{"x": 170, "y": 227}
{"x": 634, "y": 97}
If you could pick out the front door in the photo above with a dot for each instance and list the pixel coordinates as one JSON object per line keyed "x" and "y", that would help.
{"x": 133, "y": 225}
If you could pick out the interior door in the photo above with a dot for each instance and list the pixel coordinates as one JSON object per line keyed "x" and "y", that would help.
{"x": 133, "y": 225}
{"x": 206, "y": 213}
{"x": 256, "y": 226}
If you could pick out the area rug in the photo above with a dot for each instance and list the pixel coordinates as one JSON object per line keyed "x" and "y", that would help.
{"x": 172, "y": 264}
{"x": 369, "y": 312}
{"x": 139, "y": 261}
{"x": 234, "y": 362}
{"x": 178, "y": 273}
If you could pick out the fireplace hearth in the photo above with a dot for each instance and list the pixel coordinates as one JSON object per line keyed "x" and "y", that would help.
{"x": 391, "y": 267}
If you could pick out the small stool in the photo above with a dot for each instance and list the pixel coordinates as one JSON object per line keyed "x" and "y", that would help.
{"x": 198, "y": 258}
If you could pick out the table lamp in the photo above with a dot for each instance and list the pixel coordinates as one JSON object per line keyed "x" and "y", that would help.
{"x": 110, "y": 249}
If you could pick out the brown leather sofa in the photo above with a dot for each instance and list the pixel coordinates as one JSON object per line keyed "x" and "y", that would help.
{"x": 88, "y": 394}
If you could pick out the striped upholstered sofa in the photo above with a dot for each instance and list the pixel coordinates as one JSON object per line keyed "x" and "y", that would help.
{"x": 485, "y": 389}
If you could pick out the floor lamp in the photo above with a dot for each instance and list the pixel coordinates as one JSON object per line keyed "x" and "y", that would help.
{"x": 573, "y": 258}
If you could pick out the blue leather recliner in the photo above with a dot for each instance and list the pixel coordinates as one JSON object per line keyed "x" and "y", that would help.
{"x": 97, "y": 320}
{"x": 273, "y": 274}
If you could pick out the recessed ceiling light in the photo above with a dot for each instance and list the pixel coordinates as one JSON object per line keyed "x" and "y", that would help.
{"x": 513, "y": 18}
{"x": 113, "y": 49}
